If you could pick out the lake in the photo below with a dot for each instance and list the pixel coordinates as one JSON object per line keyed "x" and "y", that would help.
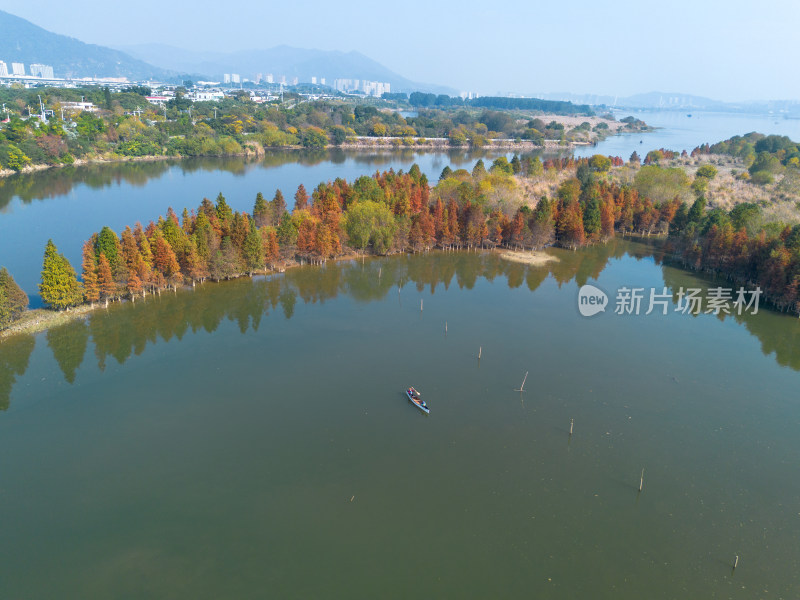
{"x": 677, "y": 131}
{"x": 251, "y": 438}
{"x": 70, "y": 204}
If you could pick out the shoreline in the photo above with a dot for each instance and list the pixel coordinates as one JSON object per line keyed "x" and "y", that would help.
{"x": 397, "y": 143}
{"x": 37, "y": 320}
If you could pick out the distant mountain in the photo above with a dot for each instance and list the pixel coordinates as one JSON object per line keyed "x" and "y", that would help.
{"x": 280, "y": 60}
{"x": 22, "y": 41}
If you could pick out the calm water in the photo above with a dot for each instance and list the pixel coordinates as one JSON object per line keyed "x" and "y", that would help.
{"x": 677, "y": 131}
{"x": 68, "y": 205}
{"x": 251, "y": 439}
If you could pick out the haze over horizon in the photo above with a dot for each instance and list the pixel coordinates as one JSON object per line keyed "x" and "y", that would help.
{"x": 721, "y": 50}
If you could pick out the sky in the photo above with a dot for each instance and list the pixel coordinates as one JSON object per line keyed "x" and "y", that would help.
{"x": 723, "y": 49}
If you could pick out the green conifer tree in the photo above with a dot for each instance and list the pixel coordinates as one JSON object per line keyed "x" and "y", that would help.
{"x": 13, "y": 301}
{"x": 60, "y": 288}
{"x": 261, "y": 211}
{"x": 253, "y": 250}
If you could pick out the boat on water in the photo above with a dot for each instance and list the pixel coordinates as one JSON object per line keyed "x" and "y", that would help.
{"x": 414, "y": 396}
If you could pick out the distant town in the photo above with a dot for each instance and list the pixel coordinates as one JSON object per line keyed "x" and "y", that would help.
{"x": 264, "y": 87}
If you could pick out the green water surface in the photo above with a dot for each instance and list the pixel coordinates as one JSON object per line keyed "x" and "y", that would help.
{"x": 251, "y": 439}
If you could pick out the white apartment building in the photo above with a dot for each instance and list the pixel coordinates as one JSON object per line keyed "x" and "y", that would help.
{"x": 17, "y": 69}
{"x": 370, "y": 88}
{"x": 205, "y": 96}
{"x": 3, "y": 69}
{"x": 43, "y": 71}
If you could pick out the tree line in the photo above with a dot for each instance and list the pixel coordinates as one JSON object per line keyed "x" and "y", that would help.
{"x": 121, "y": 335}
{"x": 394, "y": 212}
{"x": 125, "y": 124}
{"x": 556, "y": 107}
{"x": 735, "y": 244}
{"x": 388, "y": 212}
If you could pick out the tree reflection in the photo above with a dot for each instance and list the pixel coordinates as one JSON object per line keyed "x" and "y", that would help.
{"x": 58, "y": 182}
{"x": 14, "y": 356}
{"x": 124, "y": 330}
{"x": 68, "y": 344}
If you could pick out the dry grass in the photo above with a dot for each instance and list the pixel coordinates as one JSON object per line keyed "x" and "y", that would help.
{"x": 547, "y": 184}
{"x": 779, "y": 201}
{"x": 534, "y": 258}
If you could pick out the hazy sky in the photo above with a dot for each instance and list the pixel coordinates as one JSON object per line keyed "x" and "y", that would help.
{"x": 724, "y": 49}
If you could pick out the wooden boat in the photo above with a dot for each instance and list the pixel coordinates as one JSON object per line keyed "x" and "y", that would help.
{"x": 414, "y": 396}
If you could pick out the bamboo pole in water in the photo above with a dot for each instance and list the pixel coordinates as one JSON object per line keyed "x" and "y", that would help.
{"x": 571, "y": 423}
{"x": 524, "y": 379}
{"x": 641, "y": 481}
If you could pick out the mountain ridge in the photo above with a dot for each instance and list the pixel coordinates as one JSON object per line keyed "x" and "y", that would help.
{"x": 25, "y": 42}
{"x": 290, "y": 61}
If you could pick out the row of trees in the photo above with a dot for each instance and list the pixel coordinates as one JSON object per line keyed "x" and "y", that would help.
{"x": 737, "y": 245}
{"x": 388, "y": 212}
{"x": 126, "y": 124}
{"x": 397, "y": 212}
{"x": 558, "y": 107}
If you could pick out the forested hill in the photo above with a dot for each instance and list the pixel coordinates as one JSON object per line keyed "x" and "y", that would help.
{"x": 22, "y": 41}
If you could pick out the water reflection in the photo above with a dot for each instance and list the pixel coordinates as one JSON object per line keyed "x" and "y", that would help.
{"x": 52, "y": 183}
{"x": 14, "y": 356}
{"x": 124, "y": 330}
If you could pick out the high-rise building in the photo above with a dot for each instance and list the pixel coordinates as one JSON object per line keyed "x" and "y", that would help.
{"x": 313, "y": 80}
{"x": 226, "y": 78}
{"x": 18, "y": 68}
{"x": 235, "y": 78}
{"x": 269, "y": 78}
{"x": 370, "y": 88}
{"x": 3, "y": 69}
{"x": 322, "y": 81}
{"x": 43, "y": 71}
{"x": 295, "y": 80}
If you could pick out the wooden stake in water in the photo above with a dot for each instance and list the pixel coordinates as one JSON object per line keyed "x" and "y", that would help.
{"x": 736, "y": 561}
{"x": 641, "y": 481}
{"x": 420, "y": 304}
{"x": 445, "y": 327}
{"x": 571, "y": 423}
{"x": 524, "y": 379}
{"x": 380, "y": 270}
{"x": 479, "y": 352}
